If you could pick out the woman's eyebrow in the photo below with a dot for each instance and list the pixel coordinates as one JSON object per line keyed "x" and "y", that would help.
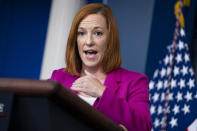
{"x": 97, "y": 27}
{"x": 80, "y": 28}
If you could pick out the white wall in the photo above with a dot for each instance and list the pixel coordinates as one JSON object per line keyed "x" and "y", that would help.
{"x": 61, "y": 16}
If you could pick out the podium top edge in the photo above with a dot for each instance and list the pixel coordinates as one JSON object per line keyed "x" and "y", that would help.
{"x": 29, "y": 87}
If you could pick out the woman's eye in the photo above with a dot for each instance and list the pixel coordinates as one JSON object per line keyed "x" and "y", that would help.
{"x": 80, "y": 33}
{"x": 99, "y": 33}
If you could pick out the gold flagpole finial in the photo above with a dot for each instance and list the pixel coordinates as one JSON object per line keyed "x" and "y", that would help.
{"x": 176, "y": 11}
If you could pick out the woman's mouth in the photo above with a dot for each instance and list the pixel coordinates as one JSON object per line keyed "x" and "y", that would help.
{"x": 90, "y": 54}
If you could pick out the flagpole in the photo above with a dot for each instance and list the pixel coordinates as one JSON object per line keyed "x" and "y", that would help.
{"x": 175, "y": 36}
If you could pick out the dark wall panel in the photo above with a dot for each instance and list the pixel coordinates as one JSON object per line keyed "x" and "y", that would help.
{"x": 23, "y": 25}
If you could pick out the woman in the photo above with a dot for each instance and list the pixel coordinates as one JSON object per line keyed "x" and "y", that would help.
{"x": 93, "y": 70}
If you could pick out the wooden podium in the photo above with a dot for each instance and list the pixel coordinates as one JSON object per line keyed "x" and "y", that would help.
{"x": 44, "y": 105}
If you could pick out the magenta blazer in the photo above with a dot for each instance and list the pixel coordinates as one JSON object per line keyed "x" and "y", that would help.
{"x": 125, "y": 99}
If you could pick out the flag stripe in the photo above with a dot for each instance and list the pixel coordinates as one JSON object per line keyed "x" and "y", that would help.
{"x": 181, "y": 96}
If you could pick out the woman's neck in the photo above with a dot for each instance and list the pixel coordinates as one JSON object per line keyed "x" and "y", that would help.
{"x": 97, "y": 72}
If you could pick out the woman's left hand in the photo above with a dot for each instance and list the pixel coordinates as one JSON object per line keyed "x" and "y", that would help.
{"x": 89, "y": 84}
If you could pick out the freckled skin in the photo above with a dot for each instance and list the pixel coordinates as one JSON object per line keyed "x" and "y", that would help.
{"x": 92, "y": 34}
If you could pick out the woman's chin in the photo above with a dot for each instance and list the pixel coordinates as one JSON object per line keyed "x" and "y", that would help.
{"x": 91, "y": 64}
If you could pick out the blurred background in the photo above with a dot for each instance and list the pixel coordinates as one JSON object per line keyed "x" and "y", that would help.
{"x": 33, "y": 34}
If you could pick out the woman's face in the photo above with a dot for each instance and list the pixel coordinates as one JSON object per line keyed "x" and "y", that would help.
{"x": 92, "y": 37}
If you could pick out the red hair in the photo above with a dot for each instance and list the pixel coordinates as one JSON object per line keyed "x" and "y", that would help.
{"x": 112, "y": 57}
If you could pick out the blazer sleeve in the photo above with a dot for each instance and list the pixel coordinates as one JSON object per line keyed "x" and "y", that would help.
{"x": 131, "y": 111}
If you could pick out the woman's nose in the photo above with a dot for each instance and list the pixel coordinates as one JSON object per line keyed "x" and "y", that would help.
{"x": 89, "y": 40}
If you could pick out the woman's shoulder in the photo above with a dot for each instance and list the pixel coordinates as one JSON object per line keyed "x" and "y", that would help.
{"x": 135, "y": 80}
{"x": 131, "y": 74}
{"x": 126, "y": 76}
{"x": 60, "y": 74}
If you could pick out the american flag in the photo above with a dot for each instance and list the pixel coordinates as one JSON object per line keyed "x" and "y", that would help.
{"x": 182, "y": 98}
{"x": 173, "y": 90}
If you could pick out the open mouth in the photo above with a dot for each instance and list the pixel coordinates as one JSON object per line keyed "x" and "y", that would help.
{"x": 90, "y": 52}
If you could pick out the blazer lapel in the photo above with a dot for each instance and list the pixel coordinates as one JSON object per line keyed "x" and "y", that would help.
{"x": 114, "y": 79}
